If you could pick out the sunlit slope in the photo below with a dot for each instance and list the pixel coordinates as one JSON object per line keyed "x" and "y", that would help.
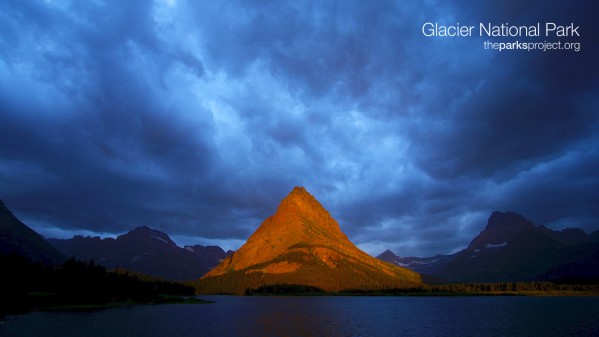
{"x": 302, "y": 244}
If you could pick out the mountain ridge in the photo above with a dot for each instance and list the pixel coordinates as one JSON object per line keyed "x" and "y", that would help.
{"x": 512, "y": 248}
{"x": 145, "y": 250}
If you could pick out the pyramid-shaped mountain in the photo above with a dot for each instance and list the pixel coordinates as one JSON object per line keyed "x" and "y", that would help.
{"x": 302, "y": 244}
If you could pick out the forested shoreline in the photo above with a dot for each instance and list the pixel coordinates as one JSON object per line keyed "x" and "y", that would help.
{"x": 78, "y": 285}
{"x": 536, "y": 288}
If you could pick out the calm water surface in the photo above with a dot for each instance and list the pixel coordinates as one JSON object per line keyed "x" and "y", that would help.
{"x": 326, "y": 316}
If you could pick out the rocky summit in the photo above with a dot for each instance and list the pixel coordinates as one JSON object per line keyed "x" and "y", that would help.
{"x": 144, "y": 250}
{"x": 512, "y": 248}
{"x": 302, "y": 244}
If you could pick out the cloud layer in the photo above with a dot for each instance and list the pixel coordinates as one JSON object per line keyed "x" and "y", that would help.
{"x": 197, "y": 117}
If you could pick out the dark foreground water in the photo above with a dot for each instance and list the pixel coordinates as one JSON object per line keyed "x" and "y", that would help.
{"x": 326, "y": 316}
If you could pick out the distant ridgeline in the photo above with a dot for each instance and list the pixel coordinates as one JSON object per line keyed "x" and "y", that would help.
{"x": 142, "y": 250}
{"x": 37, "y": 275}
{"x": 512, "y": 249}
{"x": 147, "y": 251}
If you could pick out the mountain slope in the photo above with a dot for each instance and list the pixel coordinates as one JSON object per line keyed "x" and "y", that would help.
{"x": 512, "y": 248}
{"x": 302, "y": 244}
{"x": 144, "y": 250}
{"x": 17, "y": 238}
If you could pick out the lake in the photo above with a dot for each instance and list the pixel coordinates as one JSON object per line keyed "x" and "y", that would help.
{"x": 325, "y": 316}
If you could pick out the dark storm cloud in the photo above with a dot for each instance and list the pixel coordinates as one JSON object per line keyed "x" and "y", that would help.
{"x": 196, "y": 118}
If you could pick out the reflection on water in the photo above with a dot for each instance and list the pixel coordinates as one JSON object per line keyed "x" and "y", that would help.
{"x": 326, "y": 316}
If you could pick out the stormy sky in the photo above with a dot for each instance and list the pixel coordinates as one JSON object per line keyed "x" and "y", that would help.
{"x": 197, "y": 117}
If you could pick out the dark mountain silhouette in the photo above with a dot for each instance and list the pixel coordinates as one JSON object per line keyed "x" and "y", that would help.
{"x": 421, "y": 265}
{"x": 302, "y": 244}
{"x": 144, "y": 250}
{"x": 512, "y": 248}
{"x": 18, "y": 239}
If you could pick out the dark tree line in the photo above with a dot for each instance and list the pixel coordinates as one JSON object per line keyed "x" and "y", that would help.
{"x": 284, "y": 289}
{"x": 25, "y": 285}
{"x": 498, "y": 288}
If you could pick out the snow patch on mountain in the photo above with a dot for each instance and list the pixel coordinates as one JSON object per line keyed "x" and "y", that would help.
{"x": 159, "y": 238}
{"x": 496, "y": 245}
{"x": 140, "y": 256}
